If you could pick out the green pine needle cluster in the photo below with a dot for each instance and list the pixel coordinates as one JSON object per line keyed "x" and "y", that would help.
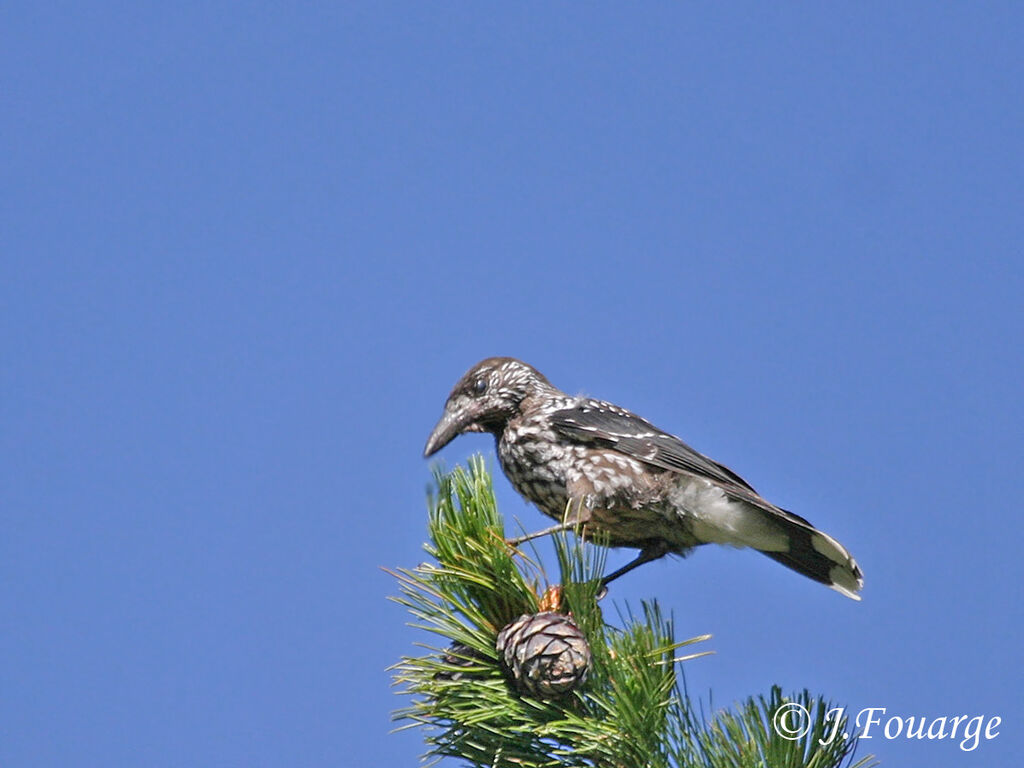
{"x": 631, "y": 712}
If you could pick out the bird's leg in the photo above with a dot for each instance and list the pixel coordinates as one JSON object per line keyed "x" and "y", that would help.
{"x": 576, "y": 512}
{"x": 565, "y": 525}
{"x": 650, "y": 552}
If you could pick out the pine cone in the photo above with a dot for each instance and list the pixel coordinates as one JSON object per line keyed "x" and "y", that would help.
{"x": 546, "y": 654}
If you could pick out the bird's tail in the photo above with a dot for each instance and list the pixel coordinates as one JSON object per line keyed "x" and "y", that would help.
{"x": 818, "y": 556}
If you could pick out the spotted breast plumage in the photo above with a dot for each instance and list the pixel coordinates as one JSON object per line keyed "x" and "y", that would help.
{"x": 635, "y": 484}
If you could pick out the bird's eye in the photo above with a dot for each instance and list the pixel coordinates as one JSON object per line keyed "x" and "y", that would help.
{"x": 480, "y": 386}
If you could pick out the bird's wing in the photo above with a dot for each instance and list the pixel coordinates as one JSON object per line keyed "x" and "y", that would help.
{"x": 604, "y": 425}
{"x": 810, "y": 551}
{"x": 608, "y": 426}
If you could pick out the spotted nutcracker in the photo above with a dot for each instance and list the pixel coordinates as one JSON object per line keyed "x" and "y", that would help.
{"x": 636, "y": 485}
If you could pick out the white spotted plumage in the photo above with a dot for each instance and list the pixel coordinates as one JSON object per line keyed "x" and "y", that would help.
{"x": 641, "y": 487}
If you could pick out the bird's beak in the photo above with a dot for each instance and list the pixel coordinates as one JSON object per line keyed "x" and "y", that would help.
{"x": 451, "y": 425}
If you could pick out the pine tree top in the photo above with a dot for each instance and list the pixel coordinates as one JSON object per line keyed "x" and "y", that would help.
{"x": 631, "y": 711}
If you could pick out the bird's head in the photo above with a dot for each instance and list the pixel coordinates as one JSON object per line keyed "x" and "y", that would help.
{"x": 486, "y": 397}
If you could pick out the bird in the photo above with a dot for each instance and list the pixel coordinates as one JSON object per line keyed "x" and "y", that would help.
{"x": 612, "y": 475}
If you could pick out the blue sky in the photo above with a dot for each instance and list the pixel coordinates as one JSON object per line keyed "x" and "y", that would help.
{"x": 247, "y": 250}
